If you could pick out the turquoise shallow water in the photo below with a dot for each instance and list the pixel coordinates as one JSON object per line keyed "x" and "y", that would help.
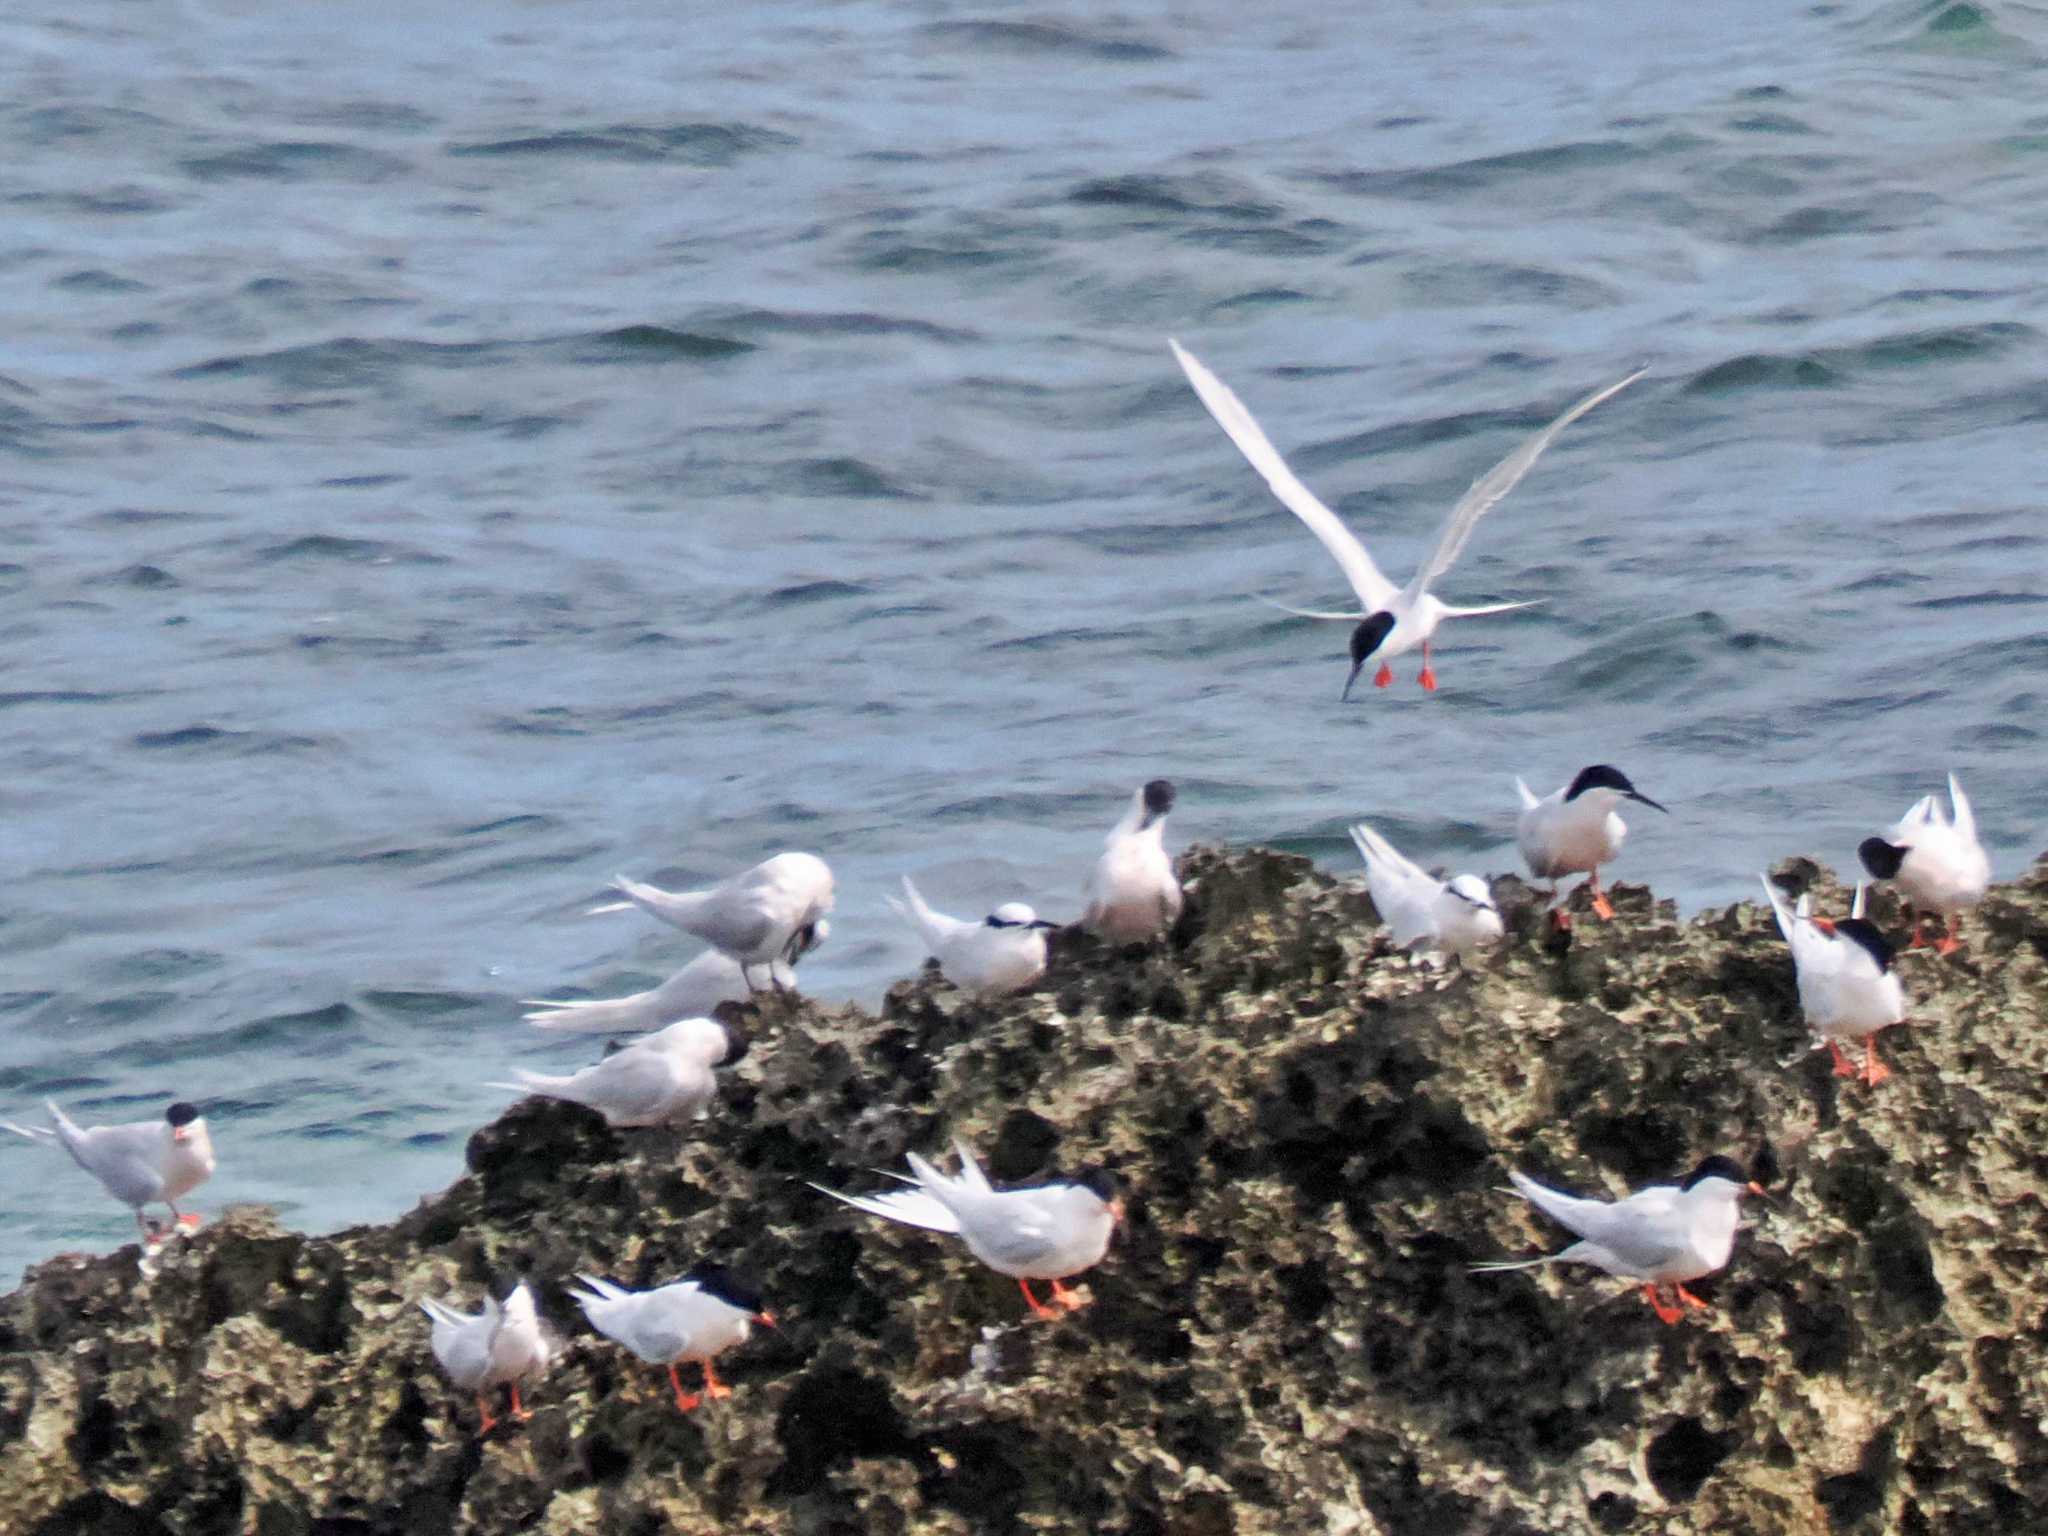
{"x": 443, "y": 463}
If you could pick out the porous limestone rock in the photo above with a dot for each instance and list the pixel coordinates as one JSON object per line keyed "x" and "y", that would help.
{"x": 1285, "y": 1337}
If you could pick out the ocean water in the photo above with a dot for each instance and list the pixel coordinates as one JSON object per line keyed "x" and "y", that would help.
{"x": 446, "y": 459}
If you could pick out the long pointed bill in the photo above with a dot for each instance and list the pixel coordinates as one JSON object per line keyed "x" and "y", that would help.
{"x": 1356, "y": 668}
{"x": 1646, "y": 800}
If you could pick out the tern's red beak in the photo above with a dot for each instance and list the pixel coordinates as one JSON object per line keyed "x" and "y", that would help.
{"x": 178, "y": 1133}
{"x": 765, "y": 1319}
{"x": 1824, "y": 924}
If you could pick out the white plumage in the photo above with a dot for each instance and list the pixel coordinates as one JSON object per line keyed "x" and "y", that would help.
{"x": 1455, "y": 917}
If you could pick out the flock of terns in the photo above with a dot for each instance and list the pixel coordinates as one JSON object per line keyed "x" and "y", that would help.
{"x": 760, "y": 923}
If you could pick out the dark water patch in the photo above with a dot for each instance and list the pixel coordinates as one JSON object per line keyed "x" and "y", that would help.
{"x": 215, "y": 740}
{"x": 77, "y": 120}
{"x": 187, "y": 736}
{"x": 1596, "y": 158}
{"x": 361, "y": 482}
{"x": 835, "y": 323}
{"x": 1769, "y": 122}
{"x": 1203, "y": 192}
{"x": 98, "y": 280}
{"x": 496, "y": 872}
{"x": 1053, "y": 639}
{"x": 427, "y": 1005}
{"x": 109, "y": 202}
{"x": 933, "y": 254}
{"x": 1985, "y": 599}
{"x": 371, "y": 116}
{"x": 142, "y": 578}
{"x": 1043, "y": 39}
{"x": 296, "y": 162}
{"x": 520, "y": 824}
{"x": 1477, "y": 284}
{"x": 314, "y": 548}
{"x": 814, "y": 592}
{"x": 552, "y": 720}
{"x": 1762, "y": 370}
{"x": 704, "y": 144}
{"x": 345, "y": 362}
{"x": 315, "y": 1027}
{"x": 2000, "y": 736}
{"x": 371, "y": 647}
{"x": 155, "y": 965}
{"x": 1893, "y": 211}
{"x": 62, "y": 696}
{"x": 842, "y": 476}
{"x": 1296, "y": 241}
{"x": 1257, "y": 299}
{"x": 656, "y": 344}
{"x": 14, "y": 577}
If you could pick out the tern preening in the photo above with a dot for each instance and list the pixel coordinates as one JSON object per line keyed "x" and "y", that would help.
{"x": 502, "y": 1345}
{"x": 1132, "y": 893}
{"x": 1392, "y": 620}
{"x": 1574, "y": 830}
{"x": 768, "y": 913}
{"x": 1002, "y": 952}
{"x": 712, "y": 978}
{"x": 1662, "y": 1235}
{"x": 146, "y": 1162}
{"x": 1046, "y": 1232}
{"x": 661, "y": 1079}
{"x": 698, "y": 1317}
{"x": 1455, "y": 916}
{"x": 1847, "y": 987}
{"x": 1935, "y": 860}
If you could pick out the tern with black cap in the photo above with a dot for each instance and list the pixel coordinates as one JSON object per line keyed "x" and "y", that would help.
{"x": 771, "y": 912}
{"x": 1002, "y": 952}
{"x": 1662, "y": 1235}
{"x": 1455, "y": 917}
{"x": 1132, "y": 893}
{"x": 698, "y": 1317}
{"x": 1935, "y": 860}
{"x": 1575, "y": 829}
{"x": 145, "y": 1162}
{"x": 1392, "y": 620}
{"x": 1847, "y": 987}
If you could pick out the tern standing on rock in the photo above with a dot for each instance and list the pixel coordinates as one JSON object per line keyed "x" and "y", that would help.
{"x": 1936, "y": 862}
{"x": 1663, "y": 1235}
{"x": 698, "y": 1317}
{"x": 1002, "y": 952}
{"x": 692, "y": 993}
{"x": 500, "y": 1346}
{"x": 1455, "y": 916}
{"x": 768, "y": 913}
{"x": 1132, "y": 893}
{"x": 662, "y": 1079}
{"x": 1574, "y": 830}
{"x": 1393, "y": 620}
{"x": 143, "y": 1163}
{"x": 1847, "y": 987}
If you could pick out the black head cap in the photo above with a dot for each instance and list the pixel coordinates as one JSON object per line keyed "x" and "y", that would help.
{"x": 1604, "y": 776}
{"x": 1099, "y": 1182}
{"x": 1158, "y": 798}
{"x": 1863, "y": 932}
{"x": 182, "y": 1113}
{"x": 734, "y": 1290}
{"x": 1881, "y": 858}
{"x": 1717, "y": 1168}
{"x": 1372, "y": 630}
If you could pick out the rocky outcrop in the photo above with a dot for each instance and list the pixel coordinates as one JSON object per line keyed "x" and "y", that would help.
{"x": 1285, "y": 1337}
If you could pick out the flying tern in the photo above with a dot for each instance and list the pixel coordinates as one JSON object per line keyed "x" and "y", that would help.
{"x": 1662, "y": 1235}
{"x": 1392, "y": 620}
{"x": 1132, "y": 894}
{"x": 143, "y": 1163}
{"x": 502, "y": 1345}
{"x": 661, "y": 1079}
{"x": 1847, "y": 987}
{"x": 1574, "y": 830}
{"x": 698, "y": 1317}
{"x": 768, "y": 913}
{"x": 693, "y": 992}
{"x": 1002, "y": 952}
{"x": 1935, "y": 860}
{"x": 1045, "y": 1232}
{"x": 1455, "y": 916}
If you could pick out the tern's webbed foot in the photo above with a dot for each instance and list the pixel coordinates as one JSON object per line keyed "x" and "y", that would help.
{"x": 1602, "y": 907}
{"x": 1666, "y": 1315}
{"x": 1069, "y": 1301}
{"x": 1843, "y": 1066}
{"x": 1689, "y": 1299}
{"x": 1384, "y": 678}
{"x": 1427, "y": 677}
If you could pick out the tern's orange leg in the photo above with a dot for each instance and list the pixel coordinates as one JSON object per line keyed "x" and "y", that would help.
{"x": 1428, "y": 677}
{"x": 1917, "y": 940}
{"x": 1874, "y": 1071}
{"x": 1664, "y": 1314}
{"x": 518, "y": 1413}
{"x": 1602, "y": 908}
{"x": 483, "y": 1409}
{"x": 1384, "y": 677}
{"x": 685, "y": 1401}
{"x": 713, "y": 1387}
{"x": 1949, "y": 943}
{"x": 1064, "y": 1298}
{"x": 1037, "y": 1309}
{"x": 1689, "y": 1299}
{"x": 1843, "y": 1067}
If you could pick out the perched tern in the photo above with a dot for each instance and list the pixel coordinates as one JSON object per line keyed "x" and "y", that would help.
{"x": 1665, "y": 1234}
{"x": 1046, "y": 1232}
{"x": 768, "y": 913}
{"x": 692, "y": 993}
{"x": 1132, "y": 894}
{"x": 1935, "y": 860}
{"x": 1455, "y": 916}
{"x": 502, "y": 1345}
{"x": 1574, "y": 830}
{"x": 661, "y": 1079}
{"x": 1392, "y": 620}
{"x": 142, "y": 1163}
{"x": 1002, "y": 952}
{"x": 1847, "y": 987}
{"x": 698, "y": 1317}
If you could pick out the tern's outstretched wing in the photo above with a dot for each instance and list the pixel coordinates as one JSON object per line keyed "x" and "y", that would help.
{"x": 1373, "y": 589}
{"x": 1961, "y": 815}
{"x": 1496, "y": 483}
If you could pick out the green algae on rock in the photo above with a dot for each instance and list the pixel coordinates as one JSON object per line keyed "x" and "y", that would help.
{"x": 1285, "y": 1337}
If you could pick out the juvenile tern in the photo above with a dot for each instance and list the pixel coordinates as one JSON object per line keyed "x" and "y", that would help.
{"x": 1455, "y": 916}
{"x": 1847, "y": 987}
{"x": 1045, "y": 1232}
{"x": 1574, "y": 830}
{"x": 1665, "y": 1234}
{"x": 693, "y": 992}
{"x": 502, "y": 1345}
{"x": 764, "y": 914}
{"x": 1392, "y": 620}
{"x": 1002, "y": 952}
{"x": 1935, "y": 860}
{"x": 698, "y": 1317}
{"x": 1131, "y": 893}
{"x": 662, "y": 1079}
{"x": 141, "y": 1163}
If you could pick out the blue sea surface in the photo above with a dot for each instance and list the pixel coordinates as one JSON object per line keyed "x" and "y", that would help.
{"x": 451, "y": 455}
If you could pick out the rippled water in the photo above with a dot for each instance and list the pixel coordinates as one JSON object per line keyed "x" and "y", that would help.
{"x": 446, "y": 462}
